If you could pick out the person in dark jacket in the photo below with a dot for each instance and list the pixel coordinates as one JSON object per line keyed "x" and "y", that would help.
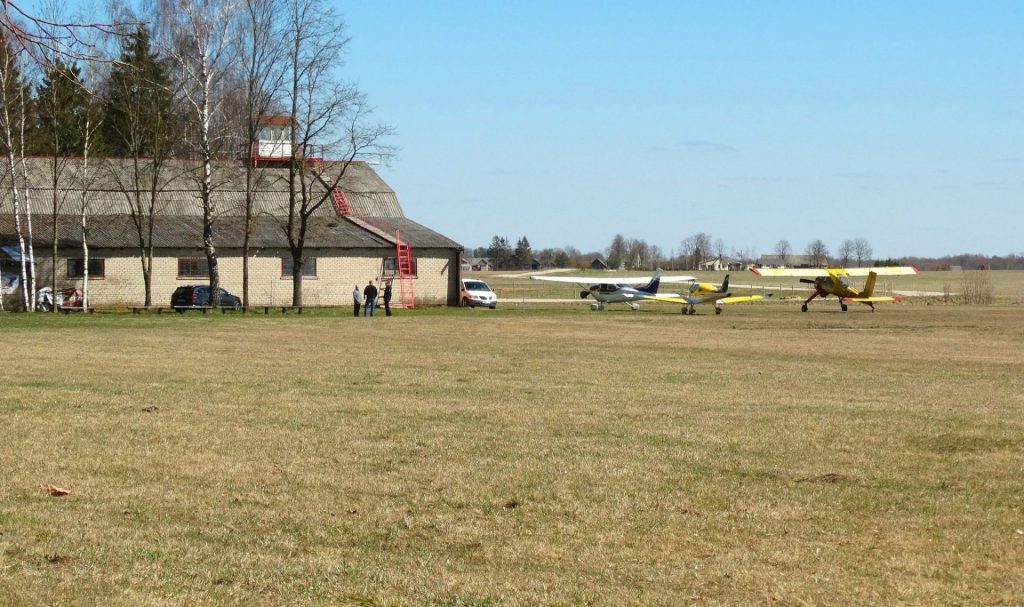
{"x": 387, "y": 299}
{"x": 369, "y": 298}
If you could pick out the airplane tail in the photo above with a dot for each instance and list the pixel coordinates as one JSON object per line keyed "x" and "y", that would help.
{"x": 725, "y": 283}
{"x": 869, "y": 285}
{"x": 652, "y": 287}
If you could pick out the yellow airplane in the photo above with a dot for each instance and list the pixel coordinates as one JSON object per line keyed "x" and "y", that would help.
{"x": 704, "y": 292}
{"x": 836, "y": 281}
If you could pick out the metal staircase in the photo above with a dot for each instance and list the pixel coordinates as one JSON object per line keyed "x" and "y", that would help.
{"x": 378, "y": 226}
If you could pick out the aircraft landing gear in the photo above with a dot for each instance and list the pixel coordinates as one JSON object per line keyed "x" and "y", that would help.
{"x": 597, "y": 307}
{"x": 634, "y": 306}
{"x": 842, "y": 306}
{"x": 803, "y": 308}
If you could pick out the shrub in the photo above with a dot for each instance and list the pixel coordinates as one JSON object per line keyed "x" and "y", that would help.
{"x": 976, "y": 288}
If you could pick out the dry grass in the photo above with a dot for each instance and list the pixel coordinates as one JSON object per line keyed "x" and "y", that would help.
{"x": 478, "y": 457}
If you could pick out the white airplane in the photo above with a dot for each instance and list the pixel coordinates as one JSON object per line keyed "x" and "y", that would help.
{"x": 618, "y": 290}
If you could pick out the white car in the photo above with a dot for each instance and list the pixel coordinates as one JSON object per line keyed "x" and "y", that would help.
{"x": 477, "y": 293}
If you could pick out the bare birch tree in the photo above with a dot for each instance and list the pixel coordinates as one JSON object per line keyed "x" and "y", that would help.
{"x": 197, "y": 37}
{"x": 846, "y": 252}
{"x": 13, "y": 107}
{"x": 90, "y": 122}
{"x": 324, "y": 111}
{"x": 862, "y": 251}
{"x": 696, "y": 248}
{"x": 783, "y": 249}
{"x": 60, "y": 100}
{"x": 261, "y": 53}
{"x": 139, "y": 125}
{"x": 23, "y": 103}
{"x": 817, "y": 252}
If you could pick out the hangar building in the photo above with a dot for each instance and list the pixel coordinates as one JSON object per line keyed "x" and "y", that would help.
{"x": 355, "y": 235}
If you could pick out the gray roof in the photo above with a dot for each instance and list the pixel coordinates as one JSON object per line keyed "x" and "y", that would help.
{"x": 109, "y": 178}
{"x": 118, "y": 231}
{"x": 179, "y": 207}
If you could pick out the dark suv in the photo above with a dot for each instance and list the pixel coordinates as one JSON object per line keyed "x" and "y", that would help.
{"x": 197, "y": 296}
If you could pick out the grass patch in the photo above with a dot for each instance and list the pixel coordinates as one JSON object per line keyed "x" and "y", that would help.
{"x": 515, "y": 457}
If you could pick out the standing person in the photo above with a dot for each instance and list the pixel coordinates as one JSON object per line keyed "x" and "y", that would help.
{"x": 387, "y": 299}
{"x": 357, "y": 300}
{"x": 370, "y": 295}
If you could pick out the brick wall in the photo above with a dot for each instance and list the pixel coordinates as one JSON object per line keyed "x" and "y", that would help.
{"x": 336, "y": 273}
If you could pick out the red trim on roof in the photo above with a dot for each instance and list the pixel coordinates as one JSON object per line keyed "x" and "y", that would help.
{"x": 275, "y": 120}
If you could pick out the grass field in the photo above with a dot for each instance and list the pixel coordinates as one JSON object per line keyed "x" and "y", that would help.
{"x": 520, "y": 456}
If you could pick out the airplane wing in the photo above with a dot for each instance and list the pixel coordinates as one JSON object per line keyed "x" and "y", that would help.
{"x": 814, "y": 272}
{"x": 871, "y": 299}
{"x": 742, "y": 298}
{"x": 696, "y": 300}
{"x": 805, "y": 272}
{"x": 667, "y": 299}
{"x": 883, "y": 271}
{"x": 622, "y": 280}
{"x": 593, "y": 280}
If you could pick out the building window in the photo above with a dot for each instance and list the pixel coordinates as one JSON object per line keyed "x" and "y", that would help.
{"x": 193, "y": 267}
{"x": 97, "y": 267}
{"x": 308, "y": 267}
{"x": 391, "y": 266}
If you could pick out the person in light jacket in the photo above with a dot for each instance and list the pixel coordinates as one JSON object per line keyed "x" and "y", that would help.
{"x": 357, "y": 300}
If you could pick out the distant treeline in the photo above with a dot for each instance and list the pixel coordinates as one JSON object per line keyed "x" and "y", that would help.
{"x": 637, "y": 254}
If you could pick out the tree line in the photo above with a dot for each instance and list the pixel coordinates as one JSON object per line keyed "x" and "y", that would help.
{"x": 694, "y": 250}
{"x": 168, "y": 80}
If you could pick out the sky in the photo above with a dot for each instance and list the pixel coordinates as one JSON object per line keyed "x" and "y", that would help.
{"x": 570, "y": 122}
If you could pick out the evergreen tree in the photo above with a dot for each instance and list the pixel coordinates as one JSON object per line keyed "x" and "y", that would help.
{"x": 140, "y": 116}
{"x": 523, "y": 255}
{"x": 60, "y": 102}
{"x": 500, "y": 252}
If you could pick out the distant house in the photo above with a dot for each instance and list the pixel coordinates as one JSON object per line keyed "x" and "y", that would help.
{"x": 477, "y": 264}
{"x": 598, "y": 264}
{"x": 721, "y": 264}
{"x": 788, "y": 261}
{"x": 535, "y": 264}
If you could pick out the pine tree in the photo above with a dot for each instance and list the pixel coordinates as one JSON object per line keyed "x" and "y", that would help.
{"x": 140, "y": 115}
{"x": 60, "y": 101}
{"x": 523, "y": 254}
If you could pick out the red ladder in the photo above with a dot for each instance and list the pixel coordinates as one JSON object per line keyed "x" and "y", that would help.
{"x": 340, "y": 202}
{"x": 375, "y": 225}
{"x": 405, "y": 272}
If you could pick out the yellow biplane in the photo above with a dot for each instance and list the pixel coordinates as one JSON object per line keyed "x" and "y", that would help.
{"x": 704, "y": 292}
{"x": 836, "y": 281}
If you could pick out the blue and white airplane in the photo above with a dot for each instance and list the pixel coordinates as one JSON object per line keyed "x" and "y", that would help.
{"x": 619, "y": 290}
